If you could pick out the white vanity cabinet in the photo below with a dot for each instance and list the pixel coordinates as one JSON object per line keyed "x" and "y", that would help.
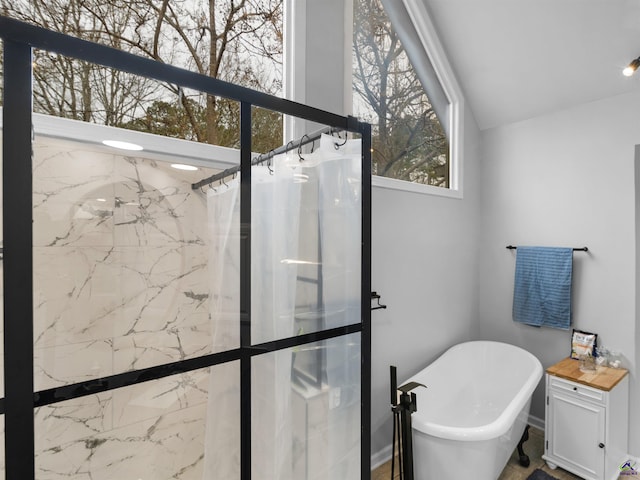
{"x": 586, "y": 420}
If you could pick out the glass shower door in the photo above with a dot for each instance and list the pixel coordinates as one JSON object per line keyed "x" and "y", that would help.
{"x": 124, "y": 340}
{"x": 306, "y": 268}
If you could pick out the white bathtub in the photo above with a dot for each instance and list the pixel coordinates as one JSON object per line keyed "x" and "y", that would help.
{"x": 474, "y": 410}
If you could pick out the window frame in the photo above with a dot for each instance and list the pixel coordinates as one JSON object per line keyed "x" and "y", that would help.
{"x": 431, "y": 51}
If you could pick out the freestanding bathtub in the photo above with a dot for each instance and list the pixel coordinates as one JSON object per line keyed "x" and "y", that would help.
{"x": 474, "y": 410}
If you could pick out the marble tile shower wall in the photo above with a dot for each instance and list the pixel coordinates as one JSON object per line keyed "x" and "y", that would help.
{"x": 120, "y": 283}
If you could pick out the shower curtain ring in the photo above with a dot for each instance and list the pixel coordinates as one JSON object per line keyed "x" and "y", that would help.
{"x": 290, "y": 145}
{"x": 269, "y": 166}
{"x": 338, "y": 145}
{"x": 300, "y": 147}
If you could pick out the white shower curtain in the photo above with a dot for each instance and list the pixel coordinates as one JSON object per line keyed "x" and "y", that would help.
{"x": 275, "y": 237}
{"x": 222, "y": 438}
{"x": 275, "y": 200}
{"x": 275, "y": 219}
{"x": 340, "y": 210}
{"x": 339, "y": 173}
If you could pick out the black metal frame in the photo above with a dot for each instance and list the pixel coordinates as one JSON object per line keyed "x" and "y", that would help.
{"x": 575, "y": 249}
{"x": 402, "y": 431}
{"x": 20, "y": 399}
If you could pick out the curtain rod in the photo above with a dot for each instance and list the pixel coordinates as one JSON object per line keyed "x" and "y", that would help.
{"x": 304, "y": 140}
{"x": 575, "y": 249}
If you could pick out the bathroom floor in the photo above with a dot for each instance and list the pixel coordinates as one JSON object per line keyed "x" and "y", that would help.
{"x": 534, "y": 447}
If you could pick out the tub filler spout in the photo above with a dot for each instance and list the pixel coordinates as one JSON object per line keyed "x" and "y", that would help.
{"x": 402, "y": 411}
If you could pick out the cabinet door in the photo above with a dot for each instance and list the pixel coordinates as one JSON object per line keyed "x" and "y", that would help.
{"x": 577, "y": 434}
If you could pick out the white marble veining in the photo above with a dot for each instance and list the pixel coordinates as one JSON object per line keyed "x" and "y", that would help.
{"x": 166, "y": 446}
{"x": 69, "y": 421}
{"x": 75, "y": 295}
{"x": 73, "y": 196}
{"x": 64, "y": 364}
{"x": 160, "y": 397}
{"x": 141, "y": 350}
{"x": 120, "y": 283}
{"x": 120, "y": 259}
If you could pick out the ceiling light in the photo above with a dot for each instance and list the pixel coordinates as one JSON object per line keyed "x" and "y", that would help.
{"x": 182, "y": 166}
{"x": 632, "y": 67}
{"x": 122, "y": 145}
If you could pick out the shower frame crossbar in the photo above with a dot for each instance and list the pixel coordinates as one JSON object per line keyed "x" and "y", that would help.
{"x": 20, "y": 400}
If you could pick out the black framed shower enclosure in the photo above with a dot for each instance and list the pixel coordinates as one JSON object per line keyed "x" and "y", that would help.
{"x": 20, "y": 400}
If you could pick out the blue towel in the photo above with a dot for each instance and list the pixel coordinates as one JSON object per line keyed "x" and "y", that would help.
{"x": 542, "y": 290}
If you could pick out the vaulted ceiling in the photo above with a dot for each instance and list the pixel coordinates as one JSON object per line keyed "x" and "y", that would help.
{"x": 517, "y": 59}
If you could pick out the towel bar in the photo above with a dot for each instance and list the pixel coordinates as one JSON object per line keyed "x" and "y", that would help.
{"x": 575, "y": 249}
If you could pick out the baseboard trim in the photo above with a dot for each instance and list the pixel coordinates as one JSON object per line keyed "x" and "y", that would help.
{"x": 381, "y": 457}
{"x": 536, "y": 422}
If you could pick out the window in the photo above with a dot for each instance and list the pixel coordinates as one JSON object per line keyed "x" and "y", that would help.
{"x": 239, "y": 42}
{"x": 400, "y": 90}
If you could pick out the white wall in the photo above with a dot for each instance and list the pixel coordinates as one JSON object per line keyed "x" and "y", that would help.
{"x": 441, "y": 265}
{"x": 565, "y": 179}
{"x": 317, "y": 52}
{"x": 425, "y": 267}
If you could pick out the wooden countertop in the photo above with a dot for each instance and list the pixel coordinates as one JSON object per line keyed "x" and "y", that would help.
{"x": 604, "y": 378}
